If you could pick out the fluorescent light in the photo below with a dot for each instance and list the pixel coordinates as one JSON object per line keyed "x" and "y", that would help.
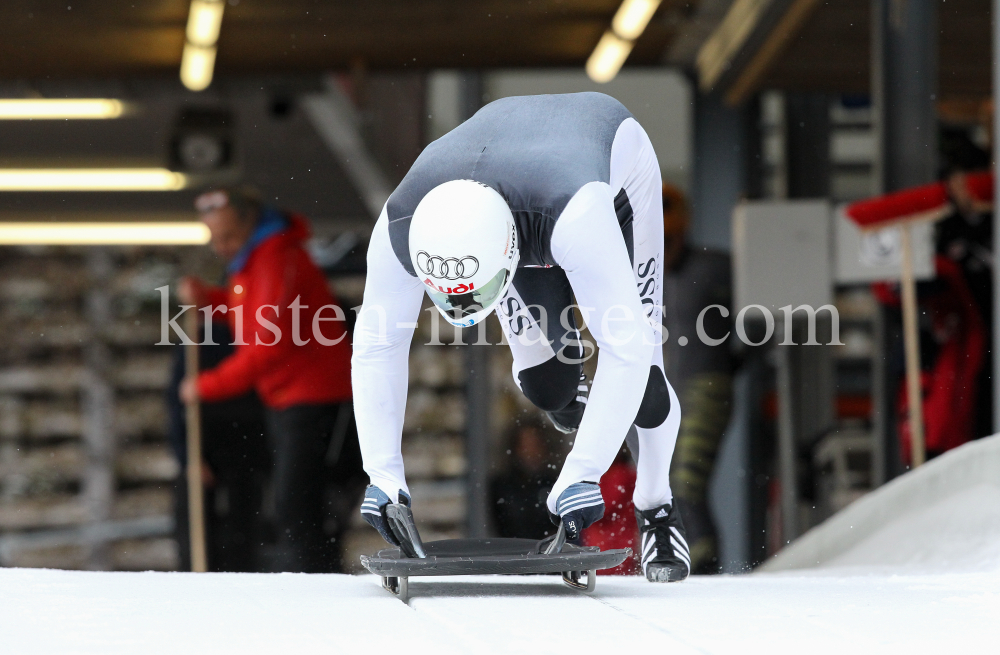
{"x": 51, "y": 109}
{"x": 104, "y": 234}
{"x": 198, "y": 60}
{"x": 197, "y": 66}
{"x": 608, "y": 57}
{"x": 90, "y": 179}
{"x": 633, "y": 16}
{"x": 204, "y": 22}
{"x": 614, "y": 47}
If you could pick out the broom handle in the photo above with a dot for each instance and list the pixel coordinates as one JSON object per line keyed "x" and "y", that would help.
{"x": 911, "y": 341}
{"x": 196, "y": 502}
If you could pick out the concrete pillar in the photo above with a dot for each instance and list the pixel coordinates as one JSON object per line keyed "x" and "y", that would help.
{"x": 904, "y": 91}
{"x": 805, "y": 373}
{"x": 719, "y": 170}
{"x": 727, "y": 166}
{"x": 904, "y": 76}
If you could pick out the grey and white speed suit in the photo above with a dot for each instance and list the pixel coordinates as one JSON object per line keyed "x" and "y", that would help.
{"x": 582, "y": 181}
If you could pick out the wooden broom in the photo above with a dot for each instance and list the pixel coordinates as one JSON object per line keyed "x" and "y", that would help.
{"x": 196, "y": 500}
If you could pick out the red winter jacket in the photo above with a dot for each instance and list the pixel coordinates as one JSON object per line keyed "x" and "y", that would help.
{"x": 618, "y": 528}
{"x": 283, "y": 372}
{"x": 948, "y": 382}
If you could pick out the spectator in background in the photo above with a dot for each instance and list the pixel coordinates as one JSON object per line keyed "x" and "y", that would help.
{"x": 695, "y": 278}
{"x": 966, "y": 238}
{"x": 234, "y": 469}
{"x": 956, "y": 314}
{"x": 294, "y": 356}
{"x": 518, "y": 495}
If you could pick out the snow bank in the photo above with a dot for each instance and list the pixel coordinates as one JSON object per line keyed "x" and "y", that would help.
{"x": 943, "y": 516}
{"x": 958, "y": 533}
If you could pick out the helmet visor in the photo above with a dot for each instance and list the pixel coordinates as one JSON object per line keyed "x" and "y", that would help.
{"x": 459, "y": 305}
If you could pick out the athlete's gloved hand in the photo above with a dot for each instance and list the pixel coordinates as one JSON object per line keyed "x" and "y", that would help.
{"x": 373, "y": 511}
{"x": 580, "y": 506}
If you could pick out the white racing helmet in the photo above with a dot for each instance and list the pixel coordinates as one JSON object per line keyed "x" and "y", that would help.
{"x": 463, "y": 246}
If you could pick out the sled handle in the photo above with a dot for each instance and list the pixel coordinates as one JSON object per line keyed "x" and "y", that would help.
{"x": 405, "y": 530}
{"x": 558, "y": 542}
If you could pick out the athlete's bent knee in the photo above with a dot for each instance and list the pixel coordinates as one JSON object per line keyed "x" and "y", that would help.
{"x": 655, "y": 402}
{"x": 552, "y": 385}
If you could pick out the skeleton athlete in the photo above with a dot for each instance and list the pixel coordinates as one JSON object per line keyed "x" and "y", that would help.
{"x": 532, "y": 201}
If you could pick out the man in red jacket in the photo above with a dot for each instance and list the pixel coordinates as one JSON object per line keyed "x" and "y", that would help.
{"x": 291, "y": 346}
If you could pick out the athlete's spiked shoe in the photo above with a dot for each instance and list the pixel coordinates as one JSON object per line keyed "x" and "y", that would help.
{"x": 664, "y": 551}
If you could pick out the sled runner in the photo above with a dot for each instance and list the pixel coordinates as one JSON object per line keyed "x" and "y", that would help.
{"x": 484, "y": 557}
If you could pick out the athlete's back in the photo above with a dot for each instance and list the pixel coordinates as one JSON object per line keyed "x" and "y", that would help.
{"x": 536, "y": 151}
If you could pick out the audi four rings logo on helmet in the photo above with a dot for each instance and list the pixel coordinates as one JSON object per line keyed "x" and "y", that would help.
{"x": 447, "y": 268}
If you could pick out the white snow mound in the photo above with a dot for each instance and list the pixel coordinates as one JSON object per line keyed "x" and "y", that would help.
{"x": 958, "y": 533}
{"x": 942, "y": 517}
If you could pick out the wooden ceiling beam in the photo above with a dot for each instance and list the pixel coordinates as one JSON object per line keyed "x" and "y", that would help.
{"x": 277, "y": 38}
{"x": 306, "y": 36}
{"x": 789, "y": 26}
{"x": 730, "y": 38}
{"x": 748, "y": 41}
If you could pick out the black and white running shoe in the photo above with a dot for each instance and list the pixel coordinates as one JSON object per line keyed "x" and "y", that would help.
{"x": 665, "y": 555}
{"x": 567, "y": 420}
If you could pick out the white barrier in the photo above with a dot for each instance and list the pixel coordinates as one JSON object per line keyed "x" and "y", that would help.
{"x": 911, "y": 509}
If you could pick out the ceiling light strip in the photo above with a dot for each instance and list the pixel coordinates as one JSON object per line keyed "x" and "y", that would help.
{"x": 60, "y": 109}
{"x": 616, "y": 44}
{"x": 91, "y": 179}
{"x": 104, "y": 234}
{"x": 202, "y": 34}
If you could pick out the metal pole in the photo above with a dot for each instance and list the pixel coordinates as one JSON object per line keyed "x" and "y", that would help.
{"x": 478, "y": 387}
{"x": 904, "y": 91}
{"x": 880, "y": 408}
{"x": 98, "y": 404}
{"x": 479, "y": 401}
{"x": 911, "y": 339}
{"x": 787, "y": 450}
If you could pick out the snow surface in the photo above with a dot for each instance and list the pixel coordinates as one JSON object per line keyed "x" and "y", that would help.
{"x": 926, "y": 580}
{"x": 824, "y": 611}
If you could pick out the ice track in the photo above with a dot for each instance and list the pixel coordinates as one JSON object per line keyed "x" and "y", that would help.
{"x": 47, "y": 612}
{"x": 913, "y": 567}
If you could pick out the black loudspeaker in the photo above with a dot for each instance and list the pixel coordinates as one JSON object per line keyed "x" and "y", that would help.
{"x": 203, "y": 140}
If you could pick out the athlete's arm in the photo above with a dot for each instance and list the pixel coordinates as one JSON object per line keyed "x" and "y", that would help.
{"x": 587, "y": 243}
{"x": 379, "y": 366}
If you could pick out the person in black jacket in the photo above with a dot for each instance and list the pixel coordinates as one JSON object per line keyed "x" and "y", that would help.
{"x": 518, "y": 496}
{"x": 695, "y": 278}
{"x": 234, "y": 470}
